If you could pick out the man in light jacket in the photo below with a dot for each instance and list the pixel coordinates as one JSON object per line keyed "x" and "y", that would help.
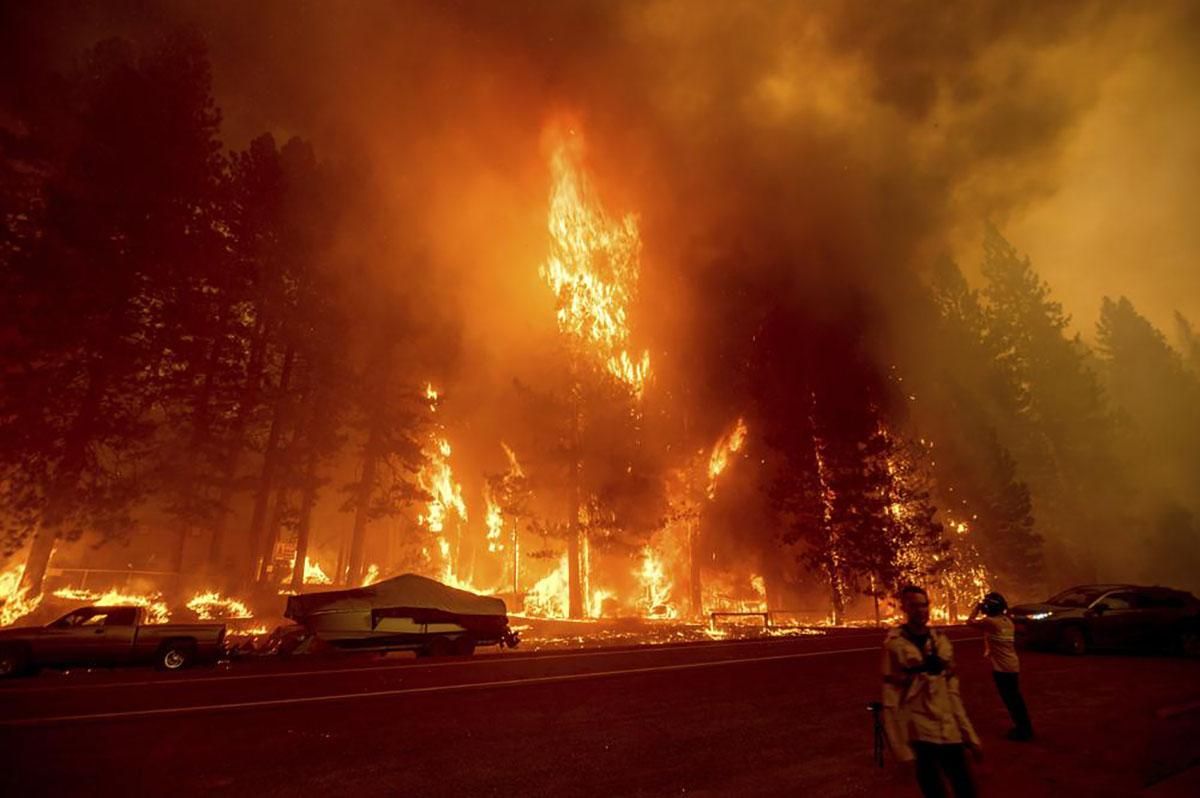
{"x": 923, "y": 714}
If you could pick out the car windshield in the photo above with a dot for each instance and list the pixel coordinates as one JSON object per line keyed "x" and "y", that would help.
{"x": 1075, "y": 597}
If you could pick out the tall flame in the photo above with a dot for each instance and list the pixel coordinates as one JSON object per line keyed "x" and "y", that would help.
{"x": 656, "y": 586}
{"x": 593, "y": 270}
{"x": 211, "y": 605}
{"x": 494, "y": 518}
{"x": 437, "y": 479}
{"x": 726, "y": 445}
{"x": 372, "y": 575}
{"x": 153, "y": 603}
{"x": 14, "y": 601}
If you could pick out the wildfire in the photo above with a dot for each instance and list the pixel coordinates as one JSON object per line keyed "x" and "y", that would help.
{"x": 314, "y": 574}
{"x": 728, "y": 597}
{"x": 437, "y": 480}
{"x": 371, "y": 576}
{"x": 494, "y": 518}
{"x": 213, "y": 606}
{"x": 514, "y": 467}
{"x": 156, "y": 608}
{"x": 13, "y": 601}
{"x": 655, "y": 586}
{"x": 727, "y": 445}
{"x": 548, "y": 596}
{"x": 593, "y": 270}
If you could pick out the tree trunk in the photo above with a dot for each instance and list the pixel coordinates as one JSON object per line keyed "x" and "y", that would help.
{"x": 575, "y": 607}
{"x": 362, "y": 506}
{"x": 574, "y": 581}
{"x": 38, "y": 560}
{"x": 65, "y": 483}
{"x": 246, "y": 405}
{"x": 835, "y": 592}
{"x": 307, "y": 502}
{"x": 696, "y": 587}
{"x": 265, "y": 559}
{"x": 266, "y": 477}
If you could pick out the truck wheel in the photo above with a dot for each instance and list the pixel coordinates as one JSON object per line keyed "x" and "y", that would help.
{"x": 13, "y": 662}
{"x": 1073, "y": 641}
{"x": 175, "y": 656}
{"x": 464, "y": 646}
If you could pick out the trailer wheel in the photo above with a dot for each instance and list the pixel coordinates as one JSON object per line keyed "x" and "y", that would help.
{"x": 437, "y": 647}
{"x": 175, "y": 655}
{"x": 464, "y": 646}
{"x": 14, "y": 661}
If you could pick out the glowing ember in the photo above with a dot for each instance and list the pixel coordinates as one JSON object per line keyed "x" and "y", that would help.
{"x": 593, "y": 270}
{"x": 213, "y": 606}
{"x": 156, "y": 608}
{"x": 13, "y": 602}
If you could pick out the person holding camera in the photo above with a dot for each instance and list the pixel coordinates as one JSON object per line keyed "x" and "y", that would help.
{"x": 1000, "y": 647}
{"x": 923, "y": 715}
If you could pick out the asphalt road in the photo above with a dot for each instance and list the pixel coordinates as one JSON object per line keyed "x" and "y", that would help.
{"x": 770, "y": 717}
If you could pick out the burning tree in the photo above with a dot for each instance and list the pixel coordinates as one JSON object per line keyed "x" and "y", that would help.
{"x": 592, "y": 270}
{"x": 508, "y": 496}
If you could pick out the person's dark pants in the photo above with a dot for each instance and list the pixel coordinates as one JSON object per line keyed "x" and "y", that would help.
{"x": 1010, "y": 692}
{"x": 938, "y": 763}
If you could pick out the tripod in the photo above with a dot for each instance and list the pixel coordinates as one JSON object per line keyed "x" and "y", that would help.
{"x": 876, "y": 709}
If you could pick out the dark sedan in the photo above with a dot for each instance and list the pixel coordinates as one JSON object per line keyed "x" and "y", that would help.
{"x": 1110, "y": 618}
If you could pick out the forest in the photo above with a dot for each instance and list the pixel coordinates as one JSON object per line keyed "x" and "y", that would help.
{"x": 229, "y": 367}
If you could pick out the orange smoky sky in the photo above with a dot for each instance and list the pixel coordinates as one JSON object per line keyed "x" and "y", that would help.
{"x": 855, "y": 138}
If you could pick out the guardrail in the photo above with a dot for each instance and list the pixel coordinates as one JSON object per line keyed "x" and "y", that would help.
{"x": 768, "y": 616}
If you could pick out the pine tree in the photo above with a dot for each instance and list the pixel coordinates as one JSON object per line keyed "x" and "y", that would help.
{"x": 126, "y": 200}
{"x": 975, "y": 406}
{"x": 1065, "y": 443}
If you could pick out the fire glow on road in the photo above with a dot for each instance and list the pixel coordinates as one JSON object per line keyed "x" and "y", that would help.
{"x": 442, "y": 688}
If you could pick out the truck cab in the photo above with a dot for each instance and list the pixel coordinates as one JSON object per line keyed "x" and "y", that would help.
{"x": 116, "y": 635}
{"x": 87, "y": 634}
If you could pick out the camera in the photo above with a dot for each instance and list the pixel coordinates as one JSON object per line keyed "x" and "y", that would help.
{"x": 993, "y": 604}
{"x": 933, "y": 664}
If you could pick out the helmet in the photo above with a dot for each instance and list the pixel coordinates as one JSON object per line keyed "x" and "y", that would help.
{"x": 993, "y": 604}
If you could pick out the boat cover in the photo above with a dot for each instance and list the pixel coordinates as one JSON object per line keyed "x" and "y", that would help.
{"x": 404, "y": 591}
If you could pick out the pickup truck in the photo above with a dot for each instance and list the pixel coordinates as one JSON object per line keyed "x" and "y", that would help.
{"x": 108, "y": 636}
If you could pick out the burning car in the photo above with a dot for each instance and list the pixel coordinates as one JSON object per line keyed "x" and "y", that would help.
{"x": 404, "y": 613}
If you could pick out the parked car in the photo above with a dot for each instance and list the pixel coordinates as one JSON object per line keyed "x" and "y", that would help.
{"x": 1111, "y": 617}
{"x": 108, "y": 636}
{"x": 407, "y": 612}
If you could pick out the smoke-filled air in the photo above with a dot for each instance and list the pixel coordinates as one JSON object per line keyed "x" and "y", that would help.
{"x": 611, "y": 310}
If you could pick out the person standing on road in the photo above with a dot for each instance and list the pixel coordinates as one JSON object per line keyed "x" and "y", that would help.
{"x": 1000, "y": 647}
{"x": 923, "y": 715}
